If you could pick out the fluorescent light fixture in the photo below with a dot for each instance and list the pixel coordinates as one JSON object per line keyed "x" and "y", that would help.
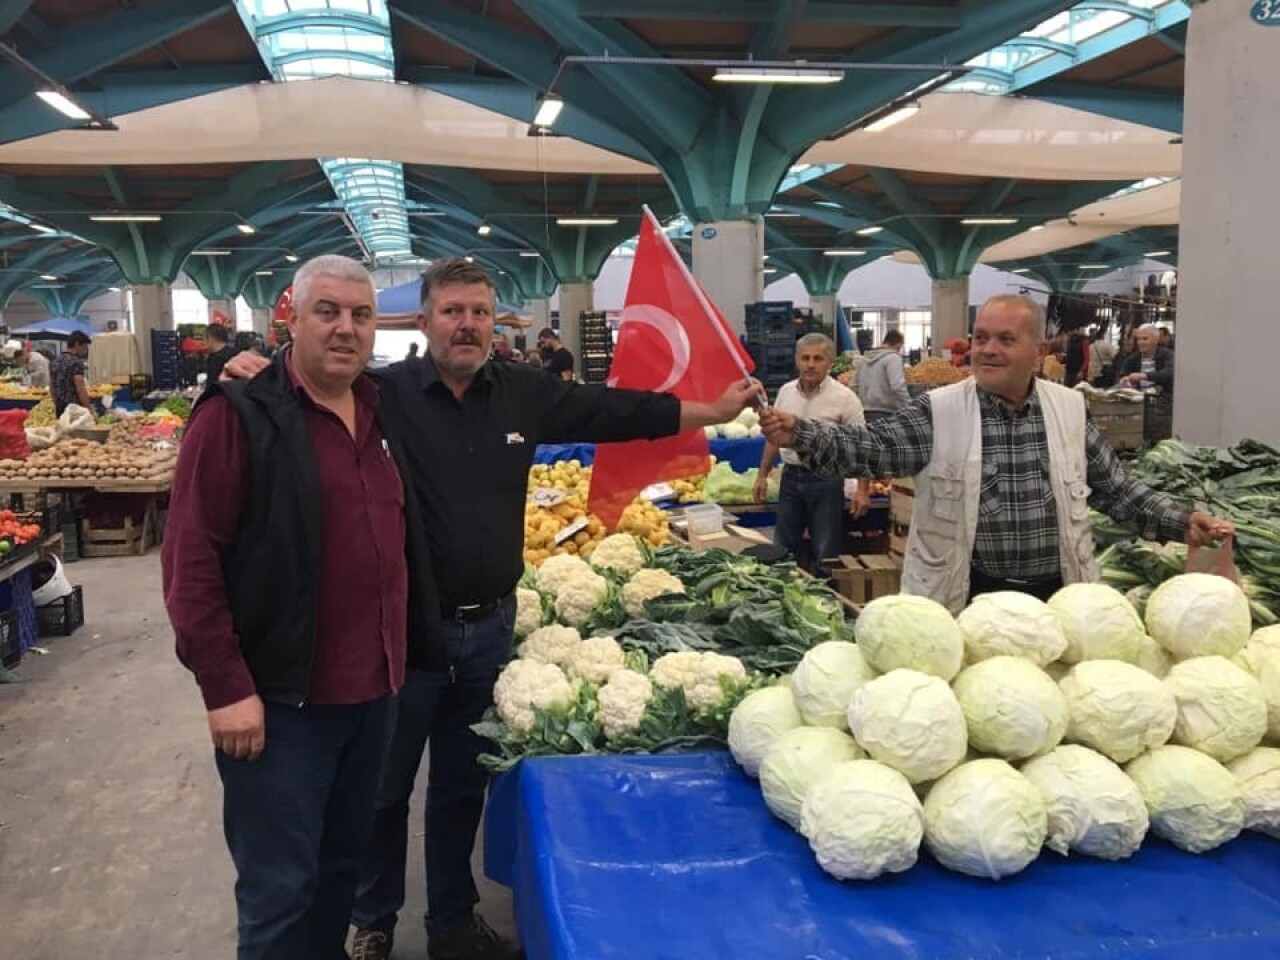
{"x": 893, "y": 118}
{"x": 469, "y": 259}
{"x": 291, "y": 258}
{"x": 41, "y": 228}
{"x": 549, "y": 107}
{"x": 484, "y": 229}
{"x": 1038, "y": 226}
{"x": 1159, "y": 253}
{"x": 1022, "y": 270}
{"x": 764, "y": 257}
{"x": 427, "y": 213}
{"x": 1095, "y": 266}
{"x": 113, "y": 289}
{"x": 799, "y": 75}
{"x": 47, "y": 276}
{"x": 47, "y": 286}
{"x": 770, "y": 269}
{"x": 868, "y": 231}
{"x": 530, "y": 253}
{"x": 64, "y": 104}
{"x": 210, "y": 253}
{"x": 586, "y": 221}
{"x": 988, "y": 221}
{"x": 263, "y": 273}
{"x": 843, "y": 252}
{"x": 246, "y": 228}
{"x": 126, "y": 218}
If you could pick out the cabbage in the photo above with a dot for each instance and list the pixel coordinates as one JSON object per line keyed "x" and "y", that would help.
{"x": 1199, "y": 614}
{"x": 1093, "y": 807}
{"x": 909, "y": 632}
{"x": 1153, "y": 658}
{"x": 863, "y": 819}
{"x": 985, "y": 819}
{"x": 824, "y": 682}
{"x": 1193, "y": 800}
{"x": 795, "y": 761}
{"x": 1010, "y": 623}
{"x": 1011, "y": 707}
{"x": 757, "y": 722}
{"x": 1099, "y": 622}
{"x": 1267, "y": 636}
{"x": 1264, "y": 663}
{"x": 909, "y": 721}
{"x": 1117, "y": 708}
{"x": 1221, "y": 709}
{"x": 1258, "y": 773}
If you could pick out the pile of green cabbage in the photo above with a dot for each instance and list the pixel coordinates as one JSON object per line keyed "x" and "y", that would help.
{"x": 1076, "y": 725}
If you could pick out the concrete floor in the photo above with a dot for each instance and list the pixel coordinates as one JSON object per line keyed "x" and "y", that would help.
{"x": 110, "y": 807}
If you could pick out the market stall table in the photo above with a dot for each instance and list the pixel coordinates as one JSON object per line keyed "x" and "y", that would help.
{"x": 642, "y": 857}
{"x": 116, "y": 542}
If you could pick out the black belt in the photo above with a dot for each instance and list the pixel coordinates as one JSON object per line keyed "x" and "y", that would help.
{"x": 1041, "y": 587}
{"x": 470, "y": 612}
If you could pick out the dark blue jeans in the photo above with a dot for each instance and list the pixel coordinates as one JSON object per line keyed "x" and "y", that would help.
{"x": 808, "y": 501}
{"x": 297, "y": 822}
{"x": 438, "y": 708}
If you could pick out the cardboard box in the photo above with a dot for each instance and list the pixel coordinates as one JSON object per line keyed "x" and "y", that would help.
{"x": 863, "y": 579}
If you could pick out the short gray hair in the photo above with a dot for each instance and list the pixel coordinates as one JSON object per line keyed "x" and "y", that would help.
{"x": 1150, "y": 328}
{"x": 817, "y": 340}
{"x": 1034, "y": 310}
{"x": 332, "y": 265}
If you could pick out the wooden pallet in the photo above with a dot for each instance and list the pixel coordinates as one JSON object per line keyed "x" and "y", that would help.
{"x": 866, "y": 578}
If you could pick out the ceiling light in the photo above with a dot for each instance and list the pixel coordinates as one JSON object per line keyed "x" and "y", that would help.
{"x": 843, "y": 252}
{"x": 291, "y": 258}
{"x": 41, "y": 228}
{"x": 988, "y": 221}
{"x": 469, "y": 259}
{"x": 263, "y": 273}
{"x": 113, "y": 289}
{"x": 210, "y": 253}
{"x": 1159, "y": 253}
{"x": 1038, "y": 226}
{"x": 1095, "y": 266}
{"x": 764, "y": 257}
{"x": 893, "y": 118}
{"x": 770, "y": 269}
{"x": 246, "y": 228}
{"x": 530, "y": 253}
{"x": 777, "y": 75}
{"x": 64, "y": 104}
{"x": 549, "y": 107}
{"x": 47, "y": 286}
{"x": 126, "y": 218}
{"x": 427, "y": 213}
{"x": 484, "y": 229}
{"x": 586, "y": 221}
{"x": 47, "y": 276}
{"x": 868, "y": 231}
{"x": 1023, "y": 270}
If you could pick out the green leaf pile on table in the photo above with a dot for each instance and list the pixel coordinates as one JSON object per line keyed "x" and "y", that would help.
{"x": 615, "y": 658}
{"x": 1018, "y": 725}
{"x": 1240, "y": 484}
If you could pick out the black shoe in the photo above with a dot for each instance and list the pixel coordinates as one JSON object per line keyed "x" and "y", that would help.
{"x": 371, "y": 945}
{"x": 473, "y": 940}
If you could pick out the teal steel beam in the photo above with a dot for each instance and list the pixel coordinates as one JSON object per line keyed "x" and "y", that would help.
{"x": 11, "y": 11}
{"x": 318, "y": 20}
{"x": 302, "y": 56}
{"x": 1042, "y": 43}
{"x": 1151, "y": 108}
{"x": 842, "y": 14}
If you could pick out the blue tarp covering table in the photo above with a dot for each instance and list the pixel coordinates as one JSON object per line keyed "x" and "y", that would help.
{"x": 677, "y": 857}
{"x": 742, "y": 455}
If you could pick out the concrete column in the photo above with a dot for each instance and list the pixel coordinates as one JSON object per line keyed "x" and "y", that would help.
{"x": 226, "y": 307}
{"x": 540, "y": 309}
{"x": 574, "y": 299}
{"x": 261, "y": 322}
{"x": 1227, "y": 335}
{"x": 728, "y": 260}
{"x": 950, "y": 312}
{"x": 152, "y": 310}
{"x": 824, "y": 305}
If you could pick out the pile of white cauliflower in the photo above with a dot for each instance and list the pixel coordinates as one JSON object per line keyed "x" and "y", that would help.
{"x": 1074, "y": 725}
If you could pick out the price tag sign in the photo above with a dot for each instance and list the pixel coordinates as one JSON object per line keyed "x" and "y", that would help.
{"x": 576, "y": 527}
{"x": 658, "y": 491}
{"x": 547, "y": 497}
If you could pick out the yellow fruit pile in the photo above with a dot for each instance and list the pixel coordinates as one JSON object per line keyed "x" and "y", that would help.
{"x": 16, "y": 391}
{"x": 689, "y": 490}
{"x": 935, "y": 372}
{"x": 567, "y": 475}
{"x": 644, "y": 520}
{"x": 543, "y": 524}
{"x": 42, "y": 414}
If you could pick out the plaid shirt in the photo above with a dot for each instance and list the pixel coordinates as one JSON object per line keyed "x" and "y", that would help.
{"x": 1017, "y": 521}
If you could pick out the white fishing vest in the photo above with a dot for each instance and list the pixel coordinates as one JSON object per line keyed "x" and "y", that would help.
{"x": 944, "y": 522}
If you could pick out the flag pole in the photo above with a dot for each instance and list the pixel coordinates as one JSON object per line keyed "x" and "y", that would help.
{"x": 712, "y": 318}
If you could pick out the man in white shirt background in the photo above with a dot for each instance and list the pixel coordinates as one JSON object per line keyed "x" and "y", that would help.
{"x": 807, "y": 501}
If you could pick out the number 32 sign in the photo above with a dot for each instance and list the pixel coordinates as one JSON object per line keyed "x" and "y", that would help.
{"x": 1266, "y": 12}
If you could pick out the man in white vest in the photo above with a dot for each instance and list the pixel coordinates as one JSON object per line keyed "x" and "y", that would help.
{"x": 1006, "y": 468}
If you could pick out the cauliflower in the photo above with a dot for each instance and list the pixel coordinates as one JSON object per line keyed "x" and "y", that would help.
{"x": 579, "y": 596}
{"x": 556, "y": 569}
{"x": 644, "y": 586}
{"x": 594, "y": 659}
{"x": 528, "y": 611}
{"x": 552, "y": 644}
{"x": 622, "y": 702}
{"x": 734, "y": 431}
{"x": 620, "y": 553}
{"x": 527, "y": 685}
{"x": 698, "y": 675}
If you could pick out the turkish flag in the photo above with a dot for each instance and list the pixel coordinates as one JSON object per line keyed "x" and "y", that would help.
{"x": 284, "y": 305}
{"x": 672, "y": 338}
{"x": 220, "y": 319}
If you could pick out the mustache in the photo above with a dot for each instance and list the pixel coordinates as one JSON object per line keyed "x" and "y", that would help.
{"x": 465, "y": 338}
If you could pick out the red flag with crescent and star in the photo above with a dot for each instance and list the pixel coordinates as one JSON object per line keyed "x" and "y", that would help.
{"x": 672, "y": 339}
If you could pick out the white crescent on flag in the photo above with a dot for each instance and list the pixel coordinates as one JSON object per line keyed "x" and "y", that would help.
{"x": 672, "y": 330}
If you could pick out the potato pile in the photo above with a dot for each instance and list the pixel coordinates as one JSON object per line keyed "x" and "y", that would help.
{"x": 935, "y": 372}
{"x": 124, "y": 433}
{"x": 91, "y": 462}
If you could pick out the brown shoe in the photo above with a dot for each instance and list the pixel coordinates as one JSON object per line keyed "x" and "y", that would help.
{"x": 473, "y": 940}
{"x": 370, "y": 945}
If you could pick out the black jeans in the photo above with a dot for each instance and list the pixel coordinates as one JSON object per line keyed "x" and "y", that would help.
{"x": 438, "y": 708}
{"x": 297, "y": 822}
{"x": 808, "y": 501}
{"x": 1042, "y": 589}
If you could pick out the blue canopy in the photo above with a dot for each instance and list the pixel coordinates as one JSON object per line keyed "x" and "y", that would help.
{"x": 398, "y": 307}
{"x": 55, "y": 328}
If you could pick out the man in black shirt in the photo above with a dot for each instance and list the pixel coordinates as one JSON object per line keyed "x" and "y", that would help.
{"x": 556, "y": 359}
{"x": 217, "y": 339}
{"x": 469, "y": 428}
